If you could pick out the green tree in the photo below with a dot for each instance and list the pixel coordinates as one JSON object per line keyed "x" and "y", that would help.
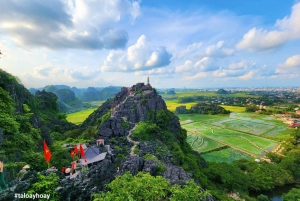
{"x": 162, "y": 118}
{"x": 251, "y": 108}
{"x": 292, "y": 195}
{"x": 46, "y": 185}
{"x": 143, "y": 186}
{"x": 262, "y": 197}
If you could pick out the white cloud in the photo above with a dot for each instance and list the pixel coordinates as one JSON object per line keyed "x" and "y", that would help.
{"x": 189, "y": 50}
{"x": 200, "y": 59}
{"x": 139, "y": 57}
{"x": 237, "y": 70}
{"x": 195, "y": 77}
{"x": 157, "y": 71}
{"x": 207, "y": 64}
{"x": 247, "y": 76}
{"x": 291, "y": 65}
{"x": 47, "y": 70}
{"x": 186, "y": 67}
{"x": 83, "y": 73}
{"x": 261, "y": 40}
{"x": 61, "y": 24}
{"x": 218, "y": 50}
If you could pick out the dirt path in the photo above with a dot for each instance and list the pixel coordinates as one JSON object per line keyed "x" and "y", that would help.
{"x": 134, "y": 142}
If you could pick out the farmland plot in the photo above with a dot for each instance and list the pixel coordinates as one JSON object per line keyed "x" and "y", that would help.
{"x": 248, "y": 143}
{"x": 246, "y": 126}
{"x": 202, "y": 144}
{"x": 227, "y": 155}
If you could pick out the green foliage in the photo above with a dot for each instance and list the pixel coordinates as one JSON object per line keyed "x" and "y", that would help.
{"x": 207, "y": 108}
{"x": 149, "y": 157}
{"x": 118, "y": 148}
{"x": 136, "y": 150}
{"x": 163, "y": 118}
{"x": 292, "y": 195}
{"x": 144, "y": 101}
{"x": 146, "y": 131}
{"x": 6, "y": 102}
{"x": 46, "y": 185}
{"x": 60, "y": 155}
{"x": 89, "y": 133}
{"x": 75, "y": 133}
{"x": 138, "y": 92}
{"x": 105, "y": 117}
{"x": 143, "y": 186}
{"x": 125, "y": 124}
{"x": 190, "y": 191}
{"x": 150, "y": 115}
{"x": 114, "y": 140}
{"x": 262, "y": 198}
{"x": 26, "y": 108}
{"x": 251, "y": 108}
{"x": 160, "y": 169}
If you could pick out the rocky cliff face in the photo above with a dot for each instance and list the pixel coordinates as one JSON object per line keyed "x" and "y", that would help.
{"x": 129, "y": 107}
{"x": 137, "y": 103}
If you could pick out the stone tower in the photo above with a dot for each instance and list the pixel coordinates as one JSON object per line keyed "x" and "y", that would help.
{"x": 148, "y": 83}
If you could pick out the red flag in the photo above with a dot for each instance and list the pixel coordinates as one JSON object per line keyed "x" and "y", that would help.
{"x": 72, "y": 153}
{"x": 81, "y": 151}
{"x": 47, "y": 153}
{"x": 75, "y": 149}
{"x": 85, "y": 160}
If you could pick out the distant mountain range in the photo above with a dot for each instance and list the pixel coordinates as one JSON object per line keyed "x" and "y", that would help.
{"x": 71, "y": 98}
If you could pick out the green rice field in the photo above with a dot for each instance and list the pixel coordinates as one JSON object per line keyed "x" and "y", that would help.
{"x": 79, "y": 117}
{"x": 247, "y": 134}
{"x": 227, "y": 155}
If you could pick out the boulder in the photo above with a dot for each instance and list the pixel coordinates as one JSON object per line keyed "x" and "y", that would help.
{"x": 133, "y": 164}
{"x": 176, "y": 175}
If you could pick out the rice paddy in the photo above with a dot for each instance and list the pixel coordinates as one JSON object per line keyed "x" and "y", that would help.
{"x": 79, "y": 117}
{"x": 224, "y": 138}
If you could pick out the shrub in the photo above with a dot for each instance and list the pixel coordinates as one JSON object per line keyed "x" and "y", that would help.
{"x": 45, "y": 185}
{"x": 149, "y": 157}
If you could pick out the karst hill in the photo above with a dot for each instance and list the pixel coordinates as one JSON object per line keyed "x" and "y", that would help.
{"x": 139, "y": 134}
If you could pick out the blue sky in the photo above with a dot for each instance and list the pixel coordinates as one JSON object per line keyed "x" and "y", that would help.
{"x": 198, "y": 44}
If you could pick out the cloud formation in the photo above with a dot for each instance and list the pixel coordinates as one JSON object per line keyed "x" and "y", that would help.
{"x": 139, "y": 57}
{"x": 202, "y": 59}
{"x": 290, "y": 66}
{"x": 261, "y": 40}
{"x": 242, "y": 70}
{"x": 84, "y": 73}
{"x": 61, "y": 24}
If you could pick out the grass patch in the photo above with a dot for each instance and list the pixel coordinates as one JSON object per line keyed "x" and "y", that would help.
{"x": 79, "y": 117}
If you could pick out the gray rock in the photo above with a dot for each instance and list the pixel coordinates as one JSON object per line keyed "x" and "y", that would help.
{"x": 133, "y": 164}
{"x": 176, "y": 175}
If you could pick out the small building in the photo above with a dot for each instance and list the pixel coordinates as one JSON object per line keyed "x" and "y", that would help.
{"x": 97, "y": 158}
{"x": 99, "y": 142}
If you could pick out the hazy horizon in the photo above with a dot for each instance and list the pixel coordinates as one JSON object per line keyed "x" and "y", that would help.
{"x": 194, "y": 44}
